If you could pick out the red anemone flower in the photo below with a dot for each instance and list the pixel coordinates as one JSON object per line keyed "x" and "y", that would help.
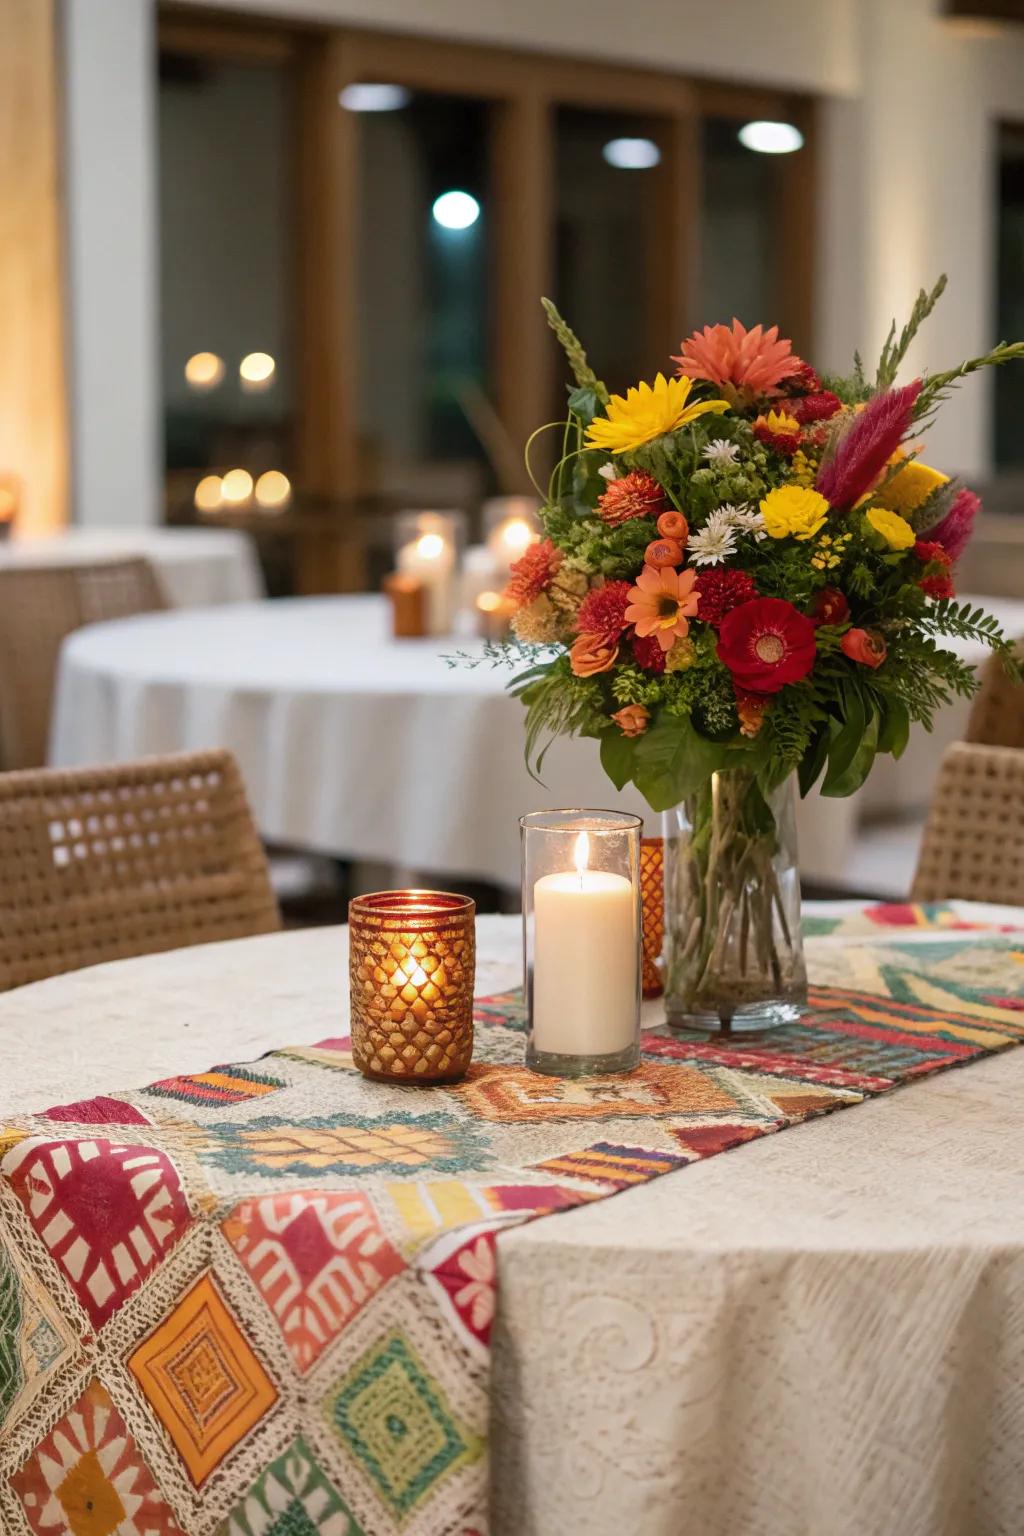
{"x": 766, "y": 644}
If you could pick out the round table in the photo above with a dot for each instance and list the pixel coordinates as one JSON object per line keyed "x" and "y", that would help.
{"x": 196, "y": 566}
{"x": 820, "y": 1332}
{"x": 351, "y": 743}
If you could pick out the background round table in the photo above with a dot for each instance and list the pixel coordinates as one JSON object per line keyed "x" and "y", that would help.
{"x": 821, "y": 1332}
{"x": 196, "y": 566}
{"x": 360, "y": 746}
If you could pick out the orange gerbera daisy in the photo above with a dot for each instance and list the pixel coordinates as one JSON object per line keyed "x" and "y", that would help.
{"x": 744, "y": 365}
{"x": 661, "y": 603}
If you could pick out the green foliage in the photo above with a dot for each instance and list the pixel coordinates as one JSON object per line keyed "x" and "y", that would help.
{"x": 895, "y": 351}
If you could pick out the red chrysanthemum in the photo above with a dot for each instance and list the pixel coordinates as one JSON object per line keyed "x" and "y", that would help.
{"x": 805, "y": 381}
{"x": 931, "y": 553}
{"x": 648, "y": 653}
{"x": 937, "y": 586}
{"x": 603, "y": 611}
{"x": 766, "y": 644}
{"x": 777, "y": 439}
{"x": 829, "y": 607}
{"x": 533, "y": 573}
{"x": 721, "y": 591}
{"x": 821, "y": 406}
{"x": 637, "y": 494}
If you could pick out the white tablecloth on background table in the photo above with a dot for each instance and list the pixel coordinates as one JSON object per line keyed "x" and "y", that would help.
{"x": 197, "y": 567}
{"x": 820, "y": 1334}
{"x": 354, "y": 744}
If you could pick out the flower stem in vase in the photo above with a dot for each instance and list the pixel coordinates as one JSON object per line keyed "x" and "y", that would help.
{"x": 732, "y": 908}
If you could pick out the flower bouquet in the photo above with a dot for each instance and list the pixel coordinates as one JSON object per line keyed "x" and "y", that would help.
{"x": 747, "y": 574}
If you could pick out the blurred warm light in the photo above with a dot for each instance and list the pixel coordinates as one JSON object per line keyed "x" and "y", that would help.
{"x": 204, "y": 370}
{"x": 236, "y": 487}
{"x": 631, "y": 154}
{"x": 208, "y": 493}
{"x": 489, "y": 602}
{"x": 8, "y": 503}
{"x": 430, "y": 546}
{"x": 456, "y": 210}
{"x": 515, "y": 535}
{"x": 273, "y": 490}
{"x": 367, "y": 96}
{"x": 256, "y": 370}
{"x": 771, "y": 138}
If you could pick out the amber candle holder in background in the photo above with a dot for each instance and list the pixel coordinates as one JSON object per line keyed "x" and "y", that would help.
{"x": 652, "y": 901}
{"x": 412, "y": 965}
{"x": 408, "y": 606}
{"x": 10, "y": 496}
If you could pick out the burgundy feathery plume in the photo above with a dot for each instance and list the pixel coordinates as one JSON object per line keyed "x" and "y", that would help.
{"x": 865, "y": 448}
{"x": 955, "y": 529}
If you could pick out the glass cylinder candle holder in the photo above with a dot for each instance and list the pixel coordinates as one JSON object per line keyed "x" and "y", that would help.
{"x": 412, "y": 964}
{"x": 581, "y": 941}
{"x": 427, "y": 546}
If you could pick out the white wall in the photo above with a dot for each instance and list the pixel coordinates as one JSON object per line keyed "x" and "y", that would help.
{"x": 109, "y": 155}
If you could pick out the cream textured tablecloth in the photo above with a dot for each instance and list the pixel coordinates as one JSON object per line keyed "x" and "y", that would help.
{"x": 197, "y": 567}
{"x": 819, "y": 1334}
{"x": 357, "y": 745}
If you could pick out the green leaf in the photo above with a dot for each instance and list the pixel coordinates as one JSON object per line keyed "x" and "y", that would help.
{"x": 672, "y": 761}
{"x": 895, "y": 729}
{"x": 618, "y": 754}
{"x": 583, "y": 403}
{"x": 840, "y": 785}
{"x": 845, "y": 736}
{"x": 813, "y": 761}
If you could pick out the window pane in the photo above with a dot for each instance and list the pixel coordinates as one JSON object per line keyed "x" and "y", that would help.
{"x": 604, "y": 222}
{"x": 225, "y": 263}
{"x": 1009, "y": 382}
{"x": 423, "y": 299}
{"x": 738, "y": 204}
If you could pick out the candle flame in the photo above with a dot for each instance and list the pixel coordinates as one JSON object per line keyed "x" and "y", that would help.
{"x": 582, "y": 854}
{"x": 429, "y": 546}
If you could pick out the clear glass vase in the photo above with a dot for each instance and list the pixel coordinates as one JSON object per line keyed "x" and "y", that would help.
{"x": 734, "y": 960}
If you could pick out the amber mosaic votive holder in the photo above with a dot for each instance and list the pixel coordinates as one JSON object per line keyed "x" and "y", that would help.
{"x": 412, "y": 965}
{"x": 652, "y": 901}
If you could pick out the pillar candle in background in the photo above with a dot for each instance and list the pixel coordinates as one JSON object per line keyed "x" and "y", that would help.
{"x": 581, "y": 911}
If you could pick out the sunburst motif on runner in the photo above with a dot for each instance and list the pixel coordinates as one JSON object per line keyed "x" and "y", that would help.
{"x": 88, "y": 1478}
{"x": 316, "y": 1259}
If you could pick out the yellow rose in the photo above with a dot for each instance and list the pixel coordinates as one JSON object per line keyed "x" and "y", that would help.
{"x": 895, "y": 530}
{"x": 794, "y": 511}
{"x": 910, "y": 489}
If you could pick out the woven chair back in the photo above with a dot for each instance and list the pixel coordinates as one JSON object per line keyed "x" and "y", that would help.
{"x": 102, "y": 863}
{"x": 39, "y": 607}
{"x": 997, "y": 714}
{"x": 973, "y": 845}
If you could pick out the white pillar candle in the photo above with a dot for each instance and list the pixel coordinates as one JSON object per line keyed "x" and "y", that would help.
{"x": 511, "y": 538}
{"x": 585, "y": 961}
{"x": 432, "y": 559}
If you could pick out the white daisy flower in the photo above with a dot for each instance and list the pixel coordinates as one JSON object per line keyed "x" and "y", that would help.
{"x": 721, "y": 452}
{"x": 745, "y": 519}
{"x": 608, "y": 471}
{"x": 714, "y": 543}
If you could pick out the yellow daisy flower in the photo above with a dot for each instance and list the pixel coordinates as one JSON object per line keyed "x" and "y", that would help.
{"x": 895, "y": 530}
{"x": 646, "y": 412}
{"x": 911, "y": 488}
{"x": 793, "y": 511}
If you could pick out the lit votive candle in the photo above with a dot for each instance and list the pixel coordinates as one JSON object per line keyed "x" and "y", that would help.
{"x": 412, "y": 962}
{"x": 512, "y": 526}
{"x": 581, "y": 913}
{"x": 427, "y": 549}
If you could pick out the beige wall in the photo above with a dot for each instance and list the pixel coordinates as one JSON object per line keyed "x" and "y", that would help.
{"x": 33, "y": 418}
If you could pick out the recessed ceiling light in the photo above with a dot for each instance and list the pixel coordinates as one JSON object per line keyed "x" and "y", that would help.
{"x": 631, "y": 154}
{"x": 368, "y": 97}
{"x": 771, "y": 138}
{"x": 456, "y": 210}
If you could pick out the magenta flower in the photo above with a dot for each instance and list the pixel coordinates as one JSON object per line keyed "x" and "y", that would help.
{"x": 954, "y": 531}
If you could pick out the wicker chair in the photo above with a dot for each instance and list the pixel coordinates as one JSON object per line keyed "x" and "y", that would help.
{"x": 973, "y": 844}
{"x": 101, "y": 863}
{"x": 39, "y": 608}
{"x": 997, "y": 714}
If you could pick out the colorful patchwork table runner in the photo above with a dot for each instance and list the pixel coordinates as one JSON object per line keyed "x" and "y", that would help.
{"x": 256, "y": 1301}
